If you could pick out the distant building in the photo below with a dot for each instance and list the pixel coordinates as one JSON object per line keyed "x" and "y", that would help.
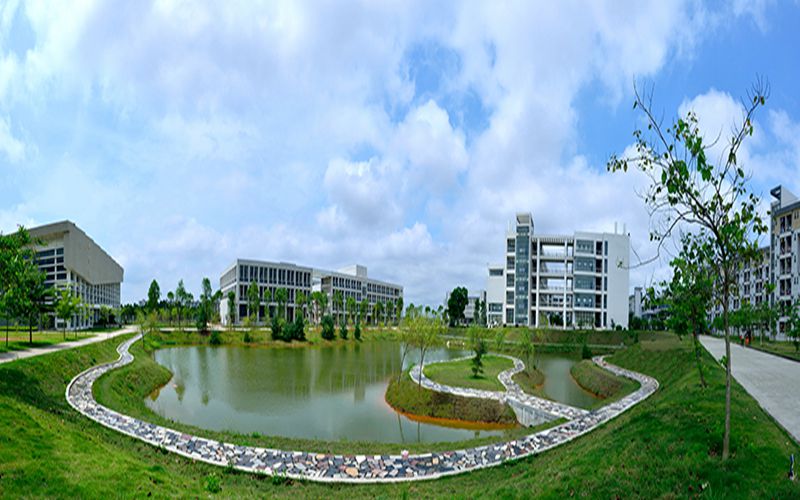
{"x": 351, "y": 281}
{"x": 635, "y": 303}
{"x": 470, "y": 313}
{"x": 578, "y": 281}
{"x": 495, "y": 295}
{"x": 69, "y": 258}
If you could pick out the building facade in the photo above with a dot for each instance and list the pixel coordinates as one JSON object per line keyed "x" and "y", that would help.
{"x": 70, "y": 259}
{"x": 268, "y": 276}
{"x": 351, "y": 281}
{"x": 495, "y": 295}
{"x": 578, "y": 281}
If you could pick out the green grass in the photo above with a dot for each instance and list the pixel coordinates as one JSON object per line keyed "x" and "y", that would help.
{"x": 783, "y": 348}
{"x": 459, "y": 373}
{"x": 531, "y": 381}
{"x": 405, "y": 395}
{"x": 18, "y": 340}
{"x": 665, "y": 447}
{"x": 603, "y": 384}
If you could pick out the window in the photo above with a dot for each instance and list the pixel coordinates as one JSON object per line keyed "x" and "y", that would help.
{"x": 509, "y": 280}
{"x": 495, "y": 272}
{"x": 510, "y": 245}
{"x": 584, "y": 264}
{"x": 509, "y": 297}
{"x": 584, "y": 246}
{"x": 510, "y": 262}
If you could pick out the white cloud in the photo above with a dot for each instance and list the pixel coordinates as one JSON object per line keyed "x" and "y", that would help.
{"x": 13, "y": 148}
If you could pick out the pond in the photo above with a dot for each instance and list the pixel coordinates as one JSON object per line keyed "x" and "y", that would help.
{"x": 329, "y": 393}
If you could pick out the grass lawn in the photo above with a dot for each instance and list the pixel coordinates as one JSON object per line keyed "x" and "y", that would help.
{"x": 459, "y": 373}
{"x": 603, "y": 384}
{"x": 665, "y": 447}
{"x": 783, "y": 348}
{"x": 18, "y": 339}
{"x": 531, "y": 381}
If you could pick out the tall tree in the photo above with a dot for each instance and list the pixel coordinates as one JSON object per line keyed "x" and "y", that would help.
{"x": 425, "y": 332}
{"x": 300, "y": 300}
{"x": 16, "y": 256}
{"x": 281, "y": 297}
{"x": 267, "y": 298}
{"x": 231, "y": 308}
{"x": 794, "y": 325}
{"x": 363, "y": 308}
{"x": 351, "y": 309}
{"x": 182, "y": 300}
{"x": 378, "y": 311}
{"x": 253, "y": 300}
{"x": 456, "y": 303}
{"x": 398, "y": 304}
{"x": 153, "y": 295}
{"x": 206, "y": 305}
{"x": 170, "y": 304}
{"x": 687, "y": 188}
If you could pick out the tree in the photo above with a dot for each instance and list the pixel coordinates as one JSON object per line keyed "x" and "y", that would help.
{"x": 267, "y": 299}
{"x": 398, "y": 304}
{"x": 687, "y": 188}
{"x": 476, "y": 313}
{"x": 794, "y": 325}
{"x": 689, "y": 295}
{"x": 153, "y": 295}
{"x": 67, "y": 306}
{"x": 351, "y": 309}
{"x": 483, "y": 313}
{"x": 281, "y": 298}
{"x": 231, "y": 307}
{"x": 456, "y": 303}
{"x": 479, "y": 347}
{"x": 323, "y": 304}
{"x": 768, "y": 313}
{"x": 253, "y": 301}
{"x": 170, "y": 303}
{"x": 378, "y": 311}
{"x": 182, "y": 300}
{"x": 16, "y": 256}
{"x": 300, "y": 300}
{"x": 33, "y": 295}
{"x": 363, "y": 308}
{"x": 338, "y": 301}
{"x": 206, "y": 305}
{"x": 425, "y": 332}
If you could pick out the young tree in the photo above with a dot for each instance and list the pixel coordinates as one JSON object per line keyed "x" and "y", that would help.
{"x": 338, "y": 303}
{"x": 267, "y": 299}
{"x": 16, "y": 256}
{"x": 378, "y": 313}
{"x": 170, "y": 304}
{"x": 182, "y": 300}
{"x": 351, "y": 309}
{"x": 794, "y": 325}
{"x": 483, "y": 313}
{"x": 300, "y": 300}
{"x": 328, "y": 331}
{"x": 363, "y": 308}
{"x": 206, "y": 305}
{"x": 253, "y": 300}
{"x": 281, "y": 298}
{"x": 153, "y": 295}
{"x": 231, "y": 308}
{"x": 67, "y": 306}
{"x": 456, "y": 303}
{"x": 425, "y": 332}
{"x": 526, "y": 349}
{"x": 476, "y": 314}
{"x": 479, "y": 347}
{"x": 689, "y": 188}
{"x": 689, "y": 295}
{"x": 398, "y": 307}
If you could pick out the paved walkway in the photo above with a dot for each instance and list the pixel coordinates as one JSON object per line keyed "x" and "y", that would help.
{"x": 7, "y": 357}
{"x": 771, "y": 380}
{"x": 325, "y": 467}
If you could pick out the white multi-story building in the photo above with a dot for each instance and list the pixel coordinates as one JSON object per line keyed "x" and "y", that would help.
{"x": 69, "y": 258}
{"x": 352, "y": 281}
{"x": 578, "y": 281}
{"x": 268, "y": 276}
{"x": 495, "y": 295}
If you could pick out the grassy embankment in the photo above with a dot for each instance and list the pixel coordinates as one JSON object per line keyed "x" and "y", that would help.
{"x": 603, "y": 384}
{"x": 665, "y": 447}
{"x": 786, "y": 349}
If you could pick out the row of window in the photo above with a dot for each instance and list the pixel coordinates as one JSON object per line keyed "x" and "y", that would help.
{"x": 274, "y": 275}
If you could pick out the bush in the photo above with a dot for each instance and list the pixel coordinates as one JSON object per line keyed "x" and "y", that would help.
{"x": 247, "y": 337}
{"x": 215, "y": 339}
{"x": 586, "y": 353}
{"x": 277, "y": 328}
{"x": 357, "y": 331}
{"x": 343, "y": 330}
{"x": 299, "y": 329}
{"x": 327, "y": 328}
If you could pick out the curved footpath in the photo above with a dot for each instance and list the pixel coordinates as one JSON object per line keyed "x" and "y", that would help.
{"x": 348, "y": 468}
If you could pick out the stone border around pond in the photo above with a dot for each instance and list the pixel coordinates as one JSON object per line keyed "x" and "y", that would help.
{"x": 331, "y": 468}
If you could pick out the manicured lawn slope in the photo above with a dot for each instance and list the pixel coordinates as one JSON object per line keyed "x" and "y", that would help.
{"x": 667, "y": 447}
{"x": 18, "y": 340}
{"x": 459, "y": 373}
{"x": 601, "y": 383}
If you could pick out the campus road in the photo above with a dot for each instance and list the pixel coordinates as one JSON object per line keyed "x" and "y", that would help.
{"x": 771, "y": 380}
{"x": 6, "y": 357}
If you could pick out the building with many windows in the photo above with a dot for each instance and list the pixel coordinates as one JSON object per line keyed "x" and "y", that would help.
{"x": 69, "y": 258}
{"x": 351, "y": 281}
{"x": 578, "y": 281}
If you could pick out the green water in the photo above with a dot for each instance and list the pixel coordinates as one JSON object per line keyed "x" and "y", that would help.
{"x": 327, "y": 393}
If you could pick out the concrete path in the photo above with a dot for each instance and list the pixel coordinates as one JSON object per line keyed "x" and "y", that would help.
{"x": 771, "y": 380}
{"x": 327, "y": 467}
{"x": 7, "y": 357}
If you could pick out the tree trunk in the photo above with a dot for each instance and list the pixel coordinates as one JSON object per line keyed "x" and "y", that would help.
{"x": 726, "y": 439}
{"x": 698, "y": 359}
{"x": 7, "y": 326}
{"x": 30, "y": 331}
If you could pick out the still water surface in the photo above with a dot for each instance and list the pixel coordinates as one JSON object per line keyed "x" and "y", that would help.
{"x": 327, "y": 393}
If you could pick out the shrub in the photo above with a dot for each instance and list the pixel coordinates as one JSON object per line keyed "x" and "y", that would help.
{"x": 327, "y": 328}
{"x": 586, "y": 353}
{"x": 277, "y": 328}
{"x": 299, "y": 329}
{"x": 215, "y": 339}
{"x": 247, "y": 337}
{"x": 357, "y": 331}
{"x": 343, "y": 330}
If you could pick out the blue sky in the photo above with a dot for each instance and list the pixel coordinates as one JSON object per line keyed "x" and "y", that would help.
{"x": 402, "y": 136}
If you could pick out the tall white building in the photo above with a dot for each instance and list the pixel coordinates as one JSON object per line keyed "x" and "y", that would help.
{"x": 578, "y": 281}
{"x": 69, "y": 258}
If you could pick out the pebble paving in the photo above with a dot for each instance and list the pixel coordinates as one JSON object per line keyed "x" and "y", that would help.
{"x": 325, "y": 467}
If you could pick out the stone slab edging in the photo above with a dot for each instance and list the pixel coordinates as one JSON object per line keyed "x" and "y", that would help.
{"x": 331, "y": 468}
